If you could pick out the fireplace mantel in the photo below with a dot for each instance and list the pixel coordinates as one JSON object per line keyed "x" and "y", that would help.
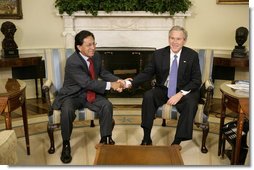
{"x": 123, "y": 28}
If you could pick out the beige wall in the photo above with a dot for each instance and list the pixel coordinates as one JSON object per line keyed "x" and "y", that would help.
{"x": 213, "y": 26}
{"x": 210, "y": 26}
{"x": 40, "y": 27}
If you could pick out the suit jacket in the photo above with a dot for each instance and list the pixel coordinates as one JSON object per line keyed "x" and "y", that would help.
{"x": 77, "y": 80}
{"x": 189, "y": 74}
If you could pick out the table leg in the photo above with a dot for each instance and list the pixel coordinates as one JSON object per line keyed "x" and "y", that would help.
{"x": 24, "y": 116}
{"x": 238, "y": 138}
{"x": 222, "y": 119}
{"x": 36, "y": 88}
{"x": 8, "y": 124}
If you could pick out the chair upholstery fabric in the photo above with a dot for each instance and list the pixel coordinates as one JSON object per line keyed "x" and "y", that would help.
{"x": 167, "y": 112}
{"x": 8, "y": 147}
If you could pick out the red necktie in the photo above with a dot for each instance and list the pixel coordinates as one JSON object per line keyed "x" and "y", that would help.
{"x": 91, "y": 94}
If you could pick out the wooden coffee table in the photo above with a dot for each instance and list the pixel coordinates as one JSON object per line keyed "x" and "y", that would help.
{"x": 137, "y": 155}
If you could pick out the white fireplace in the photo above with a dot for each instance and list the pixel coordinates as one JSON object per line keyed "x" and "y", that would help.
{"x": 123, "y": 29}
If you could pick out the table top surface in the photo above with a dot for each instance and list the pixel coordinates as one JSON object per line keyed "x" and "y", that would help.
{"x": 237, "y": 94}
{"x": 137, "y": 155}
{"x": 11, "y": 86}
{"x": 20, "y": 61}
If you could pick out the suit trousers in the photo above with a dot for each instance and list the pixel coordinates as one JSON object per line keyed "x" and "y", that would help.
{"x": 187, "y": 107}
{"x": 101, "y": 105}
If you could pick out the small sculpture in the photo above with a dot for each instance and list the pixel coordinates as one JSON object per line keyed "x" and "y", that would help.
{"x": 241, "y": 36}
{"x": 9, "y": 46}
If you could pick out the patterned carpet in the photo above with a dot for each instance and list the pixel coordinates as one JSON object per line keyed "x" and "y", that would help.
{"x": 123, "y": 115}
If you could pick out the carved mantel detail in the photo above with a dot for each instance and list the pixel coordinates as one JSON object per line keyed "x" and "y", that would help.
{"x": 123, "y": 29}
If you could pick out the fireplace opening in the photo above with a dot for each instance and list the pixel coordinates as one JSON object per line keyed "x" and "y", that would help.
{"x": 126, "y": 62}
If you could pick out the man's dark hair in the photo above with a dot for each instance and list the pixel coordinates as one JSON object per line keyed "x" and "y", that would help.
{"x": 79, "y": 38}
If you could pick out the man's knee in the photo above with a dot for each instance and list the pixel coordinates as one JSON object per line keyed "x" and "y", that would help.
{"x": 148, "y": 95}
{"x": 107, "y": 106}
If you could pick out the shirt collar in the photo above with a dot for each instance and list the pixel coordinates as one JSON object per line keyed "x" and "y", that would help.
{"x": 173, "y": 54}
{"x": 84, "y": 57}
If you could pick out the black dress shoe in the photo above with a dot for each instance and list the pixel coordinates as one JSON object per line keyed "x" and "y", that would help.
{"x": 111, "y": 141}
{"x": 149, "y": 142}
{"x": 107, "y": 140}
{"x": 103, "y": 140}
{"x": 66, "y": 154}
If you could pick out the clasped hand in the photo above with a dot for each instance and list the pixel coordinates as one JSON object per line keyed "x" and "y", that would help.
{"x": 120, "y": 85}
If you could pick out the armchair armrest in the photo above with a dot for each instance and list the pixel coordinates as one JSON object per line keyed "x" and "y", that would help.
{"x": 206, "y": 92}
{"x": 46, "y": 90}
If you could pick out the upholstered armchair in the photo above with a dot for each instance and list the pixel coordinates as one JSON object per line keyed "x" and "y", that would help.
{"x": 55, "y": 67}
{"x": 201, "y": 119}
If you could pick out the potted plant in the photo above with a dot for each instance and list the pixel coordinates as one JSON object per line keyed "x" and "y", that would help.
{"x": 93, "y": 6}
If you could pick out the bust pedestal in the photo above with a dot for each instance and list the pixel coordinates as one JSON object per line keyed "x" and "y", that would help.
{"x": 10, "y": 53}
{"x": 239, "y": 52}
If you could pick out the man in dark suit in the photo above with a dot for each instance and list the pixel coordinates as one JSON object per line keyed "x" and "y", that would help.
{"x": 82, "y": 88}
{"x": 186, "y": 90}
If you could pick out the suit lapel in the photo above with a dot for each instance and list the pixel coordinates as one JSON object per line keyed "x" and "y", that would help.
{"x": 182, "y": 63}
{"x": 166, "y": 63}
{"x": 83, "y": 63}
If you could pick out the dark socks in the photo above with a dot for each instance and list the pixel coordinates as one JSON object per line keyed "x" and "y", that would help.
{"x": 147, "y": 134}
{"x": 176, "y": 141}
{"x": 66, "y": 143}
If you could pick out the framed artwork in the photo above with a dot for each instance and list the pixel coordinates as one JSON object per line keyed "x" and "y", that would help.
{"x": 233, "y": 2}
{"x": 10, "y": 9}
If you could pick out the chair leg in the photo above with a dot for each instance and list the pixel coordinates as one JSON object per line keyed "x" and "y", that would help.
{"x": 113, "y": 124}
{"x": 51, "y": 138}
{"x": 223, "y": 146}
{"x": 92, "y": 123}
{"x": 205, "y": 134}
{"x": 163, "y": 122}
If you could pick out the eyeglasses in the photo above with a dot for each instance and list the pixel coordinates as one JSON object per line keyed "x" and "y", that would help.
{"x": 91, "y": 45}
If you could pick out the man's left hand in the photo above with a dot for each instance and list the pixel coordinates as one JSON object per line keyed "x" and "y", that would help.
{"x": 175, "y": 99}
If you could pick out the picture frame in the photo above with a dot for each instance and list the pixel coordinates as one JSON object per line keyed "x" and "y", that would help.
{"x": 233, "y": 2}
{"x": 10, "y": 9}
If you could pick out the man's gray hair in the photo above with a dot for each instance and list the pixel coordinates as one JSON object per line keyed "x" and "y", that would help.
{"x": 179, "y": 28}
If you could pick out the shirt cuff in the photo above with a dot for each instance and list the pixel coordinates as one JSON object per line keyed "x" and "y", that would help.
{"x": 127, "y": 83}
{"x": 108, "y": 86}
{"x": 185, "y": 92}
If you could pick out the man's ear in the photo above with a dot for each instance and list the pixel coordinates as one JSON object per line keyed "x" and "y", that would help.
{"x": 78, "y": 47}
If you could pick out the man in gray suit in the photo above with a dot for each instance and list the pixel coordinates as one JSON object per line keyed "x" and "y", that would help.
{"x": 186, "y": 91}
{"x": 82, "y": 88}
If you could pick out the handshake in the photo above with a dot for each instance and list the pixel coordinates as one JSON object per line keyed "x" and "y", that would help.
{"x": 120, "y": 85}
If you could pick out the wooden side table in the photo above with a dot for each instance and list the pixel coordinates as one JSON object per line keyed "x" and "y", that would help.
{"x": 235, "y": 102}
{"x": 15, "y": 92}
{"x": 224, "y": 66}
{"x": 26, "y": 68}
